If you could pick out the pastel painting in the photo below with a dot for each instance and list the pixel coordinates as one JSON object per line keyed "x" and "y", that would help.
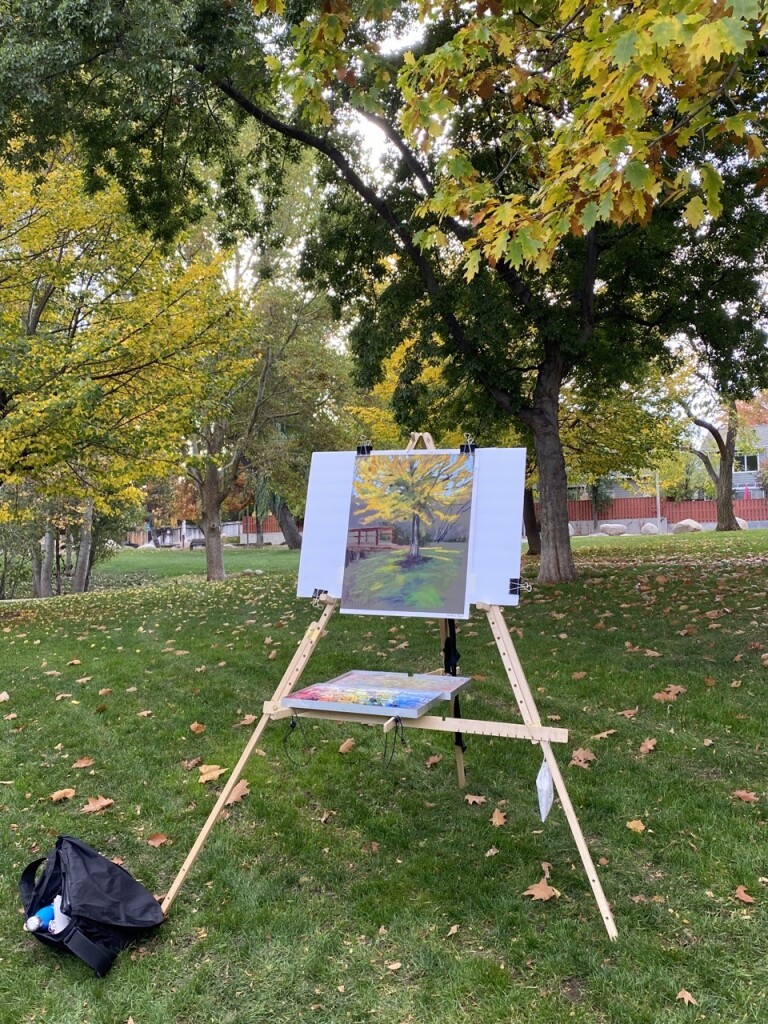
{"x": 408, "y": 539}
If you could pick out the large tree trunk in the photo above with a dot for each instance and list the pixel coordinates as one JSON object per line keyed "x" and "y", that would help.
{"x": 210, "y": 521}
{"x": 531, "y": 523}
{"x": 556, "y": 565}
{"x": 83, "y": 566}
{"x": 287, "y": 524}
{"x": 42, "y": 564}
{"x": 722, "y": 477}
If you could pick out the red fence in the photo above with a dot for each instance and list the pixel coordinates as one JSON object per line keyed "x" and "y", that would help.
{"x": 268, "y": 524}
{"x": 751, "y": 509}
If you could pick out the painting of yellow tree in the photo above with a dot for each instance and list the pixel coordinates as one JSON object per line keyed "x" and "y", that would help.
{"x": 408, "y": 538}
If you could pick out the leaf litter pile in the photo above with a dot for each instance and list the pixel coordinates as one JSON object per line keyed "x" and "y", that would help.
{"x": 125, "y": 712}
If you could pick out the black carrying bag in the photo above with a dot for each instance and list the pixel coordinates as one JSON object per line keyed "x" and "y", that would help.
{"x": 108, "y": 908}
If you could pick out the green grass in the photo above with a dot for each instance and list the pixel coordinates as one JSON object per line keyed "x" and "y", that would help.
{"x": 385, "y": 581}
{"x": 331, "y": 871}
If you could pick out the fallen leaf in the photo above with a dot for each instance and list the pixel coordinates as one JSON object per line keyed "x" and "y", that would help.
{"x": 104, "y": 691}
{"x": 192, "y": 763}
{"x": 395, "y": 965}
{"x": 75, "y": 661}
{"x": 62, "y": 794}
{"x": 52, "y": 672}
{"x": 210, "y": 772}
{"x": 745, "y": 795}
{"x": 742, "y": 895}
{"x": 247, "y": 720}
{"x": 671, "y": 692}
{"x": 96, "y": 804}
{"x": 603, "y": 735}
{"x": 542, "y": 890}
{"x": 346, "y": 746}
{"x": 581, "y": 758}
{"x": 492, "y": 852}
{"x": 603, "y": 862}
{"x": 238, "y": 792}
{"x": 63, "y": 696}
{"x": 636, "y": 825}
{"x": 630, "y": 712}
{"x": 434, "y": 759}
{"x": 708, "y": 742}
{"x": 4, "y": 696}
{"x": 471, "y": 799}
{"x": 144, "y": 714}
{"x": 578, "y": 675}
{"x": 197, "y": 728}
{"x": 546, "y": 867}
{"x": 498, "y": 818}
{"x": 685, "y": 996}
{"x": 158, "y": 839}
{"x": 83, "y": 762}
{"x": 647, "y": 746}
{"x": 272, "y": 655}
{"x": 452, "y": 930}
{"x": 651, "y": 654}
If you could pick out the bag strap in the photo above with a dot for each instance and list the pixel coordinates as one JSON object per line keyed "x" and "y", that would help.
{"x": 93, "y": 953}
{"x": 27, "y": 881}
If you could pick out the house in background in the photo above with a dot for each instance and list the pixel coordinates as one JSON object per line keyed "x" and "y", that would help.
{"x": 747, "y": 466}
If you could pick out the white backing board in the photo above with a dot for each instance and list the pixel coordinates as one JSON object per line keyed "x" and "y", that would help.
{"x": 495, "y": 540}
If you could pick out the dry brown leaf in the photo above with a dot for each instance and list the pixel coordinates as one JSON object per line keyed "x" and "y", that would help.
{"x": 158, "y": 839}
{"x": 63, "y": 696}
{"x": 742, "y": 895}
{"x": 581, "y": 758}
{"x": 603, "y": 735}
{"x": 247, "y": 720}
{"x": 452, "y": 930}
{"x": 434, "y": 759}
{"x": 272, "y": 655}
{"x": 472, "y": 799}
{"x": 578, "y": 675}
{"x": 546, "y": 867}
{"x": 197, "y": 728}
{"x": 745, "y": 795}
{"x": 4, "y": 696}
{"x": 492, "y": 852}
{"x": 708, "y": 742}
{"x": 83, "y": 762}
{"x": 636, "y": 825}
{"x": 346, "y": 746}
{"x": 210, "y": 772}
{"x": 630, "y": 712}
{"x": 651, "y": 654}
{"x": 52, "y": 673}
{"x": 96, "y": 804}
{"x": 238, "y": 792}
{"x": 647, "y": 746}
{"x": 671, "y": 692}
{"x": 104, "y": 691}
{"x": 542, "y": 890}
{"x": 146, "y": 713}
{"x": 192, "y": 763}
{"x": 685, "y": 996}
{"x": 62, "y": 794}
{"x": 498, "y": 818}
{"x": 75, "y": 661}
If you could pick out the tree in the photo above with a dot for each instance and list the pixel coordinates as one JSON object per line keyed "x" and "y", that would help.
{"x": 507, "y": 130}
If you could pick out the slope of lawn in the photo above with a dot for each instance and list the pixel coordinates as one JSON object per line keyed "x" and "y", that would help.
{"x": 364, "y": 886}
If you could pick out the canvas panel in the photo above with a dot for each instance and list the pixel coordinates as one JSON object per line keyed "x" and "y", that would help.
{"x": 409, "y": 534}
{"x": 321, "y": 566}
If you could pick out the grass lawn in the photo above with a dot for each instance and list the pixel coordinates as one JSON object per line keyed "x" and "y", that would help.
{"x": 346, "y": 889}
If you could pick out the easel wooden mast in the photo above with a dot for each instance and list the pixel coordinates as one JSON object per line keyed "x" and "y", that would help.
{"x": 531, "y": 729}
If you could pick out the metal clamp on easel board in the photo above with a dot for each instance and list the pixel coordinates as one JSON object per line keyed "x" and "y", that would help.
{"x": 469, "y": 445}
{"x": 364, "y": 446}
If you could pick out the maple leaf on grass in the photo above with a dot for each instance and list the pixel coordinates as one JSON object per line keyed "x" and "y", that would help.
{"x": 158, "y": 839}
{"x": 743, "y": 896}
{"x": 498, "y": 818}
{"x": 581, "y": 758}
{"x": 745, "y": 796}
{"x": 96, "y": 804}
{"x": 603, "y": 735}
{"x": 238, "y": 792}
{"x": 62, "y": 794}
{"x": 246, "y": 720}
{"x": 4, "y": 696}
{"x": 636, "y": 825}
{"x": 197, "y": 728}
{"x": 346, "y": 746}
{"x": 647, "y": 746}
{"x": 472, "y": 799}
{"x": 210, "y": 772}
{"x": 630, "y": 712}
{"x": 433, "y": 760}
{"x": 542, "y": 891}
{"x": 684, "y": 996}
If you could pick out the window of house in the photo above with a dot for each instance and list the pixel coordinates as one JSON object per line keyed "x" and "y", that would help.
{"x": 746, "y": 463}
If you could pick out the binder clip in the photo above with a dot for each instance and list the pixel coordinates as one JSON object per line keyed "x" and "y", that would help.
{"x": 364, "y": 446}
{"x": 469, "y": 445}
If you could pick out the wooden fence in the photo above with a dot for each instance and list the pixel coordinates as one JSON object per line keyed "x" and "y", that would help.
{"x": 751, "y": 509}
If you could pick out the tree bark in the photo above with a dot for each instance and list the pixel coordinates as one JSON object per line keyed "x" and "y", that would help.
{"x": 83, "y": 566}
{"x": 211, "y": 497}
{"x": 531, "y": 523}
{"x": 42, "y": 564}
{"x": 287, "y": 525}
{"x": 723, "y": 476}
{"x": 556, "y": 565}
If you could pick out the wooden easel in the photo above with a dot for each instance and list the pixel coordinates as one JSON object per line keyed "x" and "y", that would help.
{"x": 531, "y": 729}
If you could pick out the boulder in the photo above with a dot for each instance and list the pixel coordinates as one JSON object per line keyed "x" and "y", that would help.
{"x": 743, "y": 524}
{"x": 649, "y": 528}
{"x": 687, "y": 526}
{"x": 613, "y": 529}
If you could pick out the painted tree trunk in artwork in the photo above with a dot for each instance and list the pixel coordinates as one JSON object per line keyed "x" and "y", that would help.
{"x": 531, "y": 523}
{"x": 556, "y": 565}
{"x": 413, "y": 551}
